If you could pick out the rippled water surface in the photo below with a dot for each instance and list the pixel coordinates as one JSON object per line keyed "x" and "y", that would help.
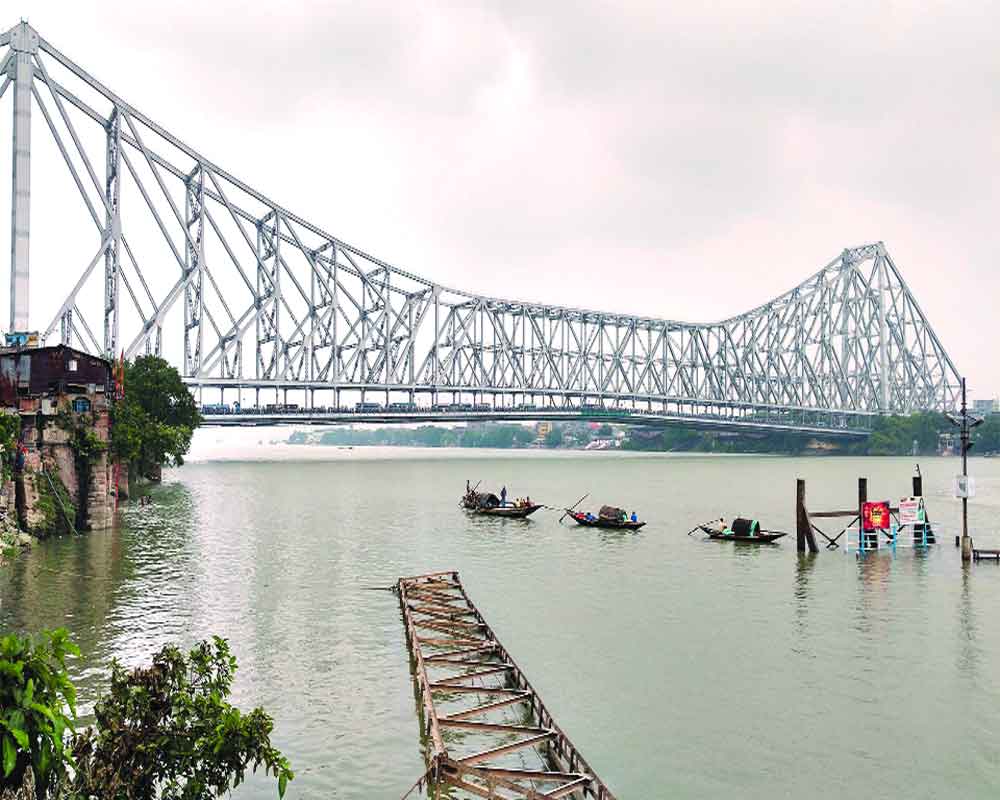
{"x": 680, "y": 667}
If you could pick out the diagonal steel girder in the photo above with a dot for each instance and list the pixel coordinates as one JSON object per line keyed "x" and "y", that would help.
{"x": 314, "y": 311}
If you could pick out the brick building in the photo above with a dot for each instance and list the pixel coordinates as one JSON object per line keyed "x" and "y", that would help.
{"x": 38, "y": 383}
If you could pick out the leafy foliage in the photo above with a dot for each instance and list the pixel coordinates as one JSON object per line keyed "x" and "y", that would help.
{"x": 83, "y": 441}
{"x": 56, "y": 509}
{"x": 87, "y": 447}
{"x": 896, "y": 435}
{"x": 487, "y": 435}
{"x": 987, "y": 435}
{"x": 154, "y": 422}
{"x": 167, "y": 731}
{"x": 35, "y": 693}
{"x": 10, "y": 430}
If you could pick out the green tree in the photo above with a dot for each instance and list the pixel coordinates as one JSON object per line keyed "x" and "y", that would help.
{"x": 35, "y": 693}
{"x": 554, "y": 437}
{"x": 167, "y": 731}
{"x": 523, "y": 436}
{"x": 153, "y": 423}
{"x": 987, "y": 435}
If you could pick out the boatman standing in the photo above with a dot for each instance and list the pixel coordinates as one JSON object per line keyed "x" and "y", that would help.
{"x": 503, "y": 496}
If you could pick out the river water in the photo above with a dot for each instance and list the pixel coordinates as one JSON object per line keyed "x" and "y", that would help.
{"x": 680, "y": 667}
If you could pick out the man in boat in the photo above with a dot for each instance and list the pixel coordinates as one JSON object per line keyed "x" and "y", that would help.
{"x": 719, "y": 526}
{"x": 634, "y": 517}
{"x": 503, "y": 496}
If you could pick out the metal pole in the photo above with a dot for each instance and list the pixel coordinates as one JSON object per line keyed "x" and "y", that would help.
{"x": 966, "y": 541}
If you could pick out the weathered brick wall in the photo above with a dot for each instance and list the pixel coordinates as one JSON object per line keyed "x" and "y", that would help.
{"x": 57, "y": 457}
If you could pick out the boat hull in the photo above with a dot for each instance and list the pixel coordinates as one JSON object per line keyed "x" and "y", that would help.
{"x": 506, "y": 512}
{"x": 760, "y": 538}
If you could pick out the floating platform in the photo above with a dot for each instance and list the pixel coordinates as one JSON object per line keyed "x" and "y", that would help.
{"x": 481, "y": 716}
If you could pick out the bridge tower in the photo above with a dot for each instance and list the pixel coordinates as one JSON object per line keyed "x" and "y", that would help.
{"x": 23, "y": 45}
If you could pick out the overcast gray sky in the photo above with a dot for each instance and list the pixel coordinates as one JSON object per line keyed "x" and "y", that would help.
{"x": 686, "y": 161}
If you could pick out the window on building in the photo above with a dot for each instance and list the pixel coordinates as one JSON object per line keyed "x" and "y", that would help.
{"x": 72, "y": 365}
{"x": 81, "y": 405}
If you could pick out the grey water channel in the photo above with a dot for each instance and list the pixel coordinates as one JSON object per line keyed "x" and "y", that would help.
{"x": 680, "y": 667}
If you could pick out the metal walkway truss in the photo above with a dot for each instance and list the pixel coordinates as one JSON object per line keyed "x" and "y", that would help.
{"x": 490, "y": 734}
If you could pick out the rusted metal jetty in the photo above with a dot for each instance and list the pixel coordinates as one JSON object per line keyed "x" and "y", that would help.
{"x": 490, "y": 734}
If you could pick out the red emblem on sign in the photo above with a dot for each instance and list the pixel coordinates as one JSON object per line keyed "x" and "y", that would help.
{"x": 875, "y": 516}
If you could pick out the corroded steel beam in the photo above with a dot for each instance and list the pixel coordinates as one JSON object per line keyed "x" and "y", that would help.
{"x": 487, "y": 756}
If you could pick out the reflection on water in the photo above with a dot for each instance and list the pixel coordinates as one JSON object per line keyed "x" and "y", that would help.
{"x": 681, "y": 667}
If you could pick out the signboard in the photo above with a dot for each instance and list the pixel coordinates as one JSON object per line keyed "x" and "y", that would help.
{"x": 875, "y": 516}
{"x": 911, "y": 511}
{"x": 965, "y": 486}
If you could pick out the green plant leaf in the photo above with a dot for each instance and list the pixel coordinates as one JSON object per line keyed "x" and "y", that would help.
{"x": 282, "y": 784}
{"x": 9, "y": 755}
{"x": 20, "y": 737}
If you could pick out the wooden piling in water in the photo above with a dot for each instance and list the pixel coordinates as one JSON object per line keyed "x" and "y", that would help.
{"x": 804, "y": 535}
{"x": 865, "y": 539}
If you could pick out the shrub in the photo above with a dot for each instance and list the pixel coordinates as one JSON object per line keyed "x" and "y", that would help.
{"x": 167, "y": 731}
{"x": 35, "y": 692}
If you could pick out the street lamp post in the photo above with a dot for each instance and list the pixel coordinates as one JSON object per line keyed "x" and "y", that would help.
{"x": 966, "y": 423}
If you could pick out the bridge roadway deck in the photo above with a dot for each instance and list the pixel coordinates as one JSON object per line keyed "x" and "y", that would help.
{"x": 490, "y": 734}
{"x": 772, "y": 424}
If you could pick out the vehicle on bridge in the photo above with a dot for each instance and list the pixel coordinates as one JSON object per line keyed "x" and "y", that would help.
{"x": 281, "y": 408}
{"x": 367, "y": 408}
{"x": 446, "y": 407}
{"x": 216, "y": 409}
{"x": 402, "y": 408}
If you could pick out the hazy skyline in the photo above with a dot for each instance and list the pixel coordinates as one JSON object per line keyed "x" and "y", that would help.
{"x": 687, "y": 163}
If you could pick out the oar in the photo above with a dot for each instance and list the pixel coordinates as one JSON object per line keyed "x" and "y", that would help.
{"x": 696, "y": 527}
{"x": 574, "y": 506}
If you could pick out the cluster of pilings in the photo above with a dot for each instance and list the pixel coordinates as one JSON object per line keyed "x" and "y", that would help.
{"x": 806, "y": 529}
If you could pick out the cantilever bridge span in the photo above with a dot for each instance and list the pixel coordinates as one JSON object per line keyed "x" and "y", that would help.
{"x": 257, "y": 305}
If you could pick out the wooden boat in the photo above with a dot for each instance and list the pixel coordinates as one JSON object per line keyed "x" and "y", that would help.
{"x": 729, "y": 536}
{"x": 487, "y": 504}
{"x": 510, "y": 512}
{"x": 742, "y": 530}
{"x": 580, "y": 518}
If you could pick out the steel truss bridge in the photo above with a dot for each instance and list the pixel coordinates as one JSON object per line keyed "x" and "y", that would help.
{"x": 181, "y": 258}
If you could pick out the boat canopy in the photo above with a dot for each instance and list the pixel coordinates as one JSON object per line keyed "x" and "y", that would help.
{"x": 611, "y": 512}
{"x": 745, "y": 527}
{"x": 485, "y": 500}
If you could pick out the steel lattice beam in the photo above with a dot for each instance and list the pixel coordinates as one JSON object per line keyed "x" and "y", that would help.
{"x": 320, "y": 315}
